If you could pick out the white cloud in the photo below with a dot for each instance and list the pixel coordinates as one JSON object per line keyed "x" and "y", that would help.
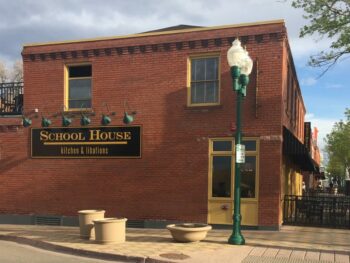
{"x": 309, "y": 81}
{"x": 323, "y": 125}
{"x": 309, "y": 116}
{"x": 334, "y": 86}
{"x": 302, "y": 48}
{"x": 25, "y": 21}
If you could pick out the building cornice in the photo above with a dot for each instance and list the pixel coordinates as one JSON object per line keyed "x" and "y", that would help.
{"x": 170, "y": 32}
{"x": 155, "y": 47}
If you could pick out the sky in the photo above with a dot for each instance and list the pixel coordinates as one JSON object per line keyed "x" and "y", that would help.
{"x": 25, "y": 21}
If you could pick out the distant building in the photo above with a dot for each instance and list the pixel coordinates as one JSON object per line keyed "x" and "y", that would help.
{"x": 313, "y": 179}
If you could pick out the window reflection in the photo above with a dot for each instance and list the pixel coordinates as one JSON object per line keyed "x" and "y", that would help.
{"x": 222, "y": 146}
{"x": 79, "y": 86}
{"x": 248, "y": 172}
{"x": 250, "y": 145}
{"x": 204, "y": 80}
{"x": 221, "y": 176}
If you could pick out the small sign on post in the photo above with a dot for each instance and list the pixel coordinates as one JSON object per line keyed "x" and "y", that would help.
{"x": 240, "y": 153}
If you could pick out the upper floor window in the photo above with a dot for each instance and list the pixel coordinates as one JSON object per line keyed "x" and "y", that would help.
{"x": 204, "y": 80}
{"x": 289, "y": 89}
{"x": 79, "y": 86}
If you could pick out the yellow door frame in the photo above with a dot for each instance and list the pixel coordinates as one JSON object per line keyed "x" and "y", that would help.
{"x": 220, "y": 209}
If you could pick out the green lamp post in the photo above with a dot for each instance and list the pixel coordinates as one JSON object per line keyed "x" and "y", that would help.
{"x": 241, "y": 66}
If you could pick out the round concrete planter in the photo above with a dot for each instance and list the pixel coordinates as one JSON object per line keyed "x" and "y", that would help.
{"x": 188, "y": 232}
{"x": 86, "y": 224}
{"x": 110, "y": 230}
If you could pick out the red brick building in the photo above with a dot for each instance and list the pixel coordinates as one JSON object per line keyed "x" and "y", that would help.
{"x": 178, "y": 81}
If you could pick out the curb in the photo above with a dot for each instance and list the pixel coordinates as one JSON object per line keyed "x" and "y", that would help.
{"x": 79, "y": 252}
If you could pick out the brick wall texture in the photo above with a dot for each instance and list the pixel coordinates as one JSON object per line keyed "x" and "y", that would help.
{"x": 170, "y": 181}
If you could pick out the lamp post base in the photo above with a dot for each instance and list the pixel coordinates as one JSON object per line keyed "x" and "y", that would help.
{"x": 236, "y": 239}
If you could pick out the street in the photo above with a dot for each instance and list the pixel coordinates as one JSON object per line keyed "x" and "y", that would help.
{"x": 11, "y": 252}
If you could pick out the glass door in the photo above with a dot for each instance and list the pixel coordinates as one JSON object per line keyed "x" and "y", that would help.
{"x": 221, "y": 181}
{"x": 220, "y": 192}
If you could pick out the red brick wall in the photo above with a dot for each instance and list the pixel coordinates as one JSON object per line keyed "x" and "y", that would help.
{"x": 170, "y": 180}
{"x": 294, "y": 123}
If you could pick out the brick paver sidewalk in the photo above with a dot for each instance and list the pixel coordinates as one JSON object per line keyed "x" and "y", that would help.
{"x": 152, "y": 245}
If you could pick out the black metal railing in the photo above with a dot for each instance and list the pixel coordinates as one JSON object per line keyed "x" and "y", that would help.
{"x": 328, "y": 211}
{"x": 11, "y": 98}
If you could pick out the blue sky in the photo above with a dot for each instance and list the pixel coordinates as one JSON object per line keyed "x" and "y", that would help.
{"x": 28, "y": 21}
{"x": 327, "y": 97}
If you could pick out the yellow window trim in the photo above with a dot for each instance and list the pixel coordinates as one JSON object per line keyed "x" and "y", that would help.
{"x": 211, "y": 149}
{"x": 211, "y": 146}
{"x": 80, "y": 78}
{"x": 66, "y": 85}
{"x": 197, "y": 56}
{"x": 257, "y": 145}
{"x": 212, "y": 153}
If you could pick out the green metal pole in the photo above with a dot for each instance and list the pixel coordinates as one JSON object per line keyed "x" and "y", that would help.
{"x": 236, "y": 237}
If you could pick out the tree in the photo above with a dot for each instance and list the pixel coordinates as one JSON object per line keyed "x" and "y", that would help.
{"x": 331, "y": 19}
{"x": 17, "y": 71}
{"x": 335, "y": 169}
{"x": 338, "y": 147}
{"x": 3, "y": 72}
{"x": 13, "y": 75}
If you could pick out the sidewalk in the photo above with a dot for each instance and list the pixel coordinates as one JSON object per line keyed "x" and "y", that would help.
{"x": 291, "y": 244}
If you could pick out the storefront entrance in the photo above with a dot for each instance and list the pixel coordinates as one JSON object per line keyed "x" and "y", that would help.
{"x": 221, "y": 180}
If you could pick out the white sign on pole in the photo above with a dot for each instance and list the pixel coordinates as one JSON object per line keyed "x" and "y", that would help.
{"x": 240, "y": 153}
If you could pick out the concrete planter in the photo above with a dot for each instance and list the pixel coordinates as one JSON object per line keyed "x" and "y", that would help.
{"x": 110, "y": 230}
{"x": 188, "y": 232}
{"x": 86, "y": 224}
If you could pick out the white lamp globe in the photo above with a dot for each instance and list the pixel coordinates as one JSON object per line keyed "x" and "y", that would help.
{"x": 247, "y": 64}
{"x": 236, "y": 54}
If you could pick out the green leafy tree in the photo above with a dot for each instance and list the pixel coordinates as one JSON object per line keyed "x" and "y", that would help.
{"x": 335, "y": 169}
{"x": 338, "y": 147}
{"x": 331, "y": 19}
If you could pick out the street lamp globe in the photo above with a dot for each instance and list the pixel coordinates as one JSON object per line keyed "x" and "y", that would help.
{"x": 236, "y": 54}
{"x": 241, "y": 65}
{"x": 246, "y": 69}
{"x": 247, "y": 64}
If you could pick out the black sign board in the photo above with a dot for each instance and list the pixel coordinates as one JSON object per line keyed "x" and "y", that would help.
{"x": 307, "y": 135}
{"x": 86, "y": 142}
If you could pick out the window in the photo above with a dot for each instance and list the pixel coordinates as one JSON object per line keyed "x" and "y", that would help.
{"x": 221, "y": 176}
{"x": 222, "y": 146}
{"x": 222, "y": 158}
{"x": 204, "y": 80}
{"x": 293, "y": 103}
{"x": 289, "y": 89}
{"x": 248, "y": 174}
{"x": 221, "y": 167}
{"x": 249, "y": 170}
{"x": 79, "y": 86}
{"x": 249, "y": 145}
